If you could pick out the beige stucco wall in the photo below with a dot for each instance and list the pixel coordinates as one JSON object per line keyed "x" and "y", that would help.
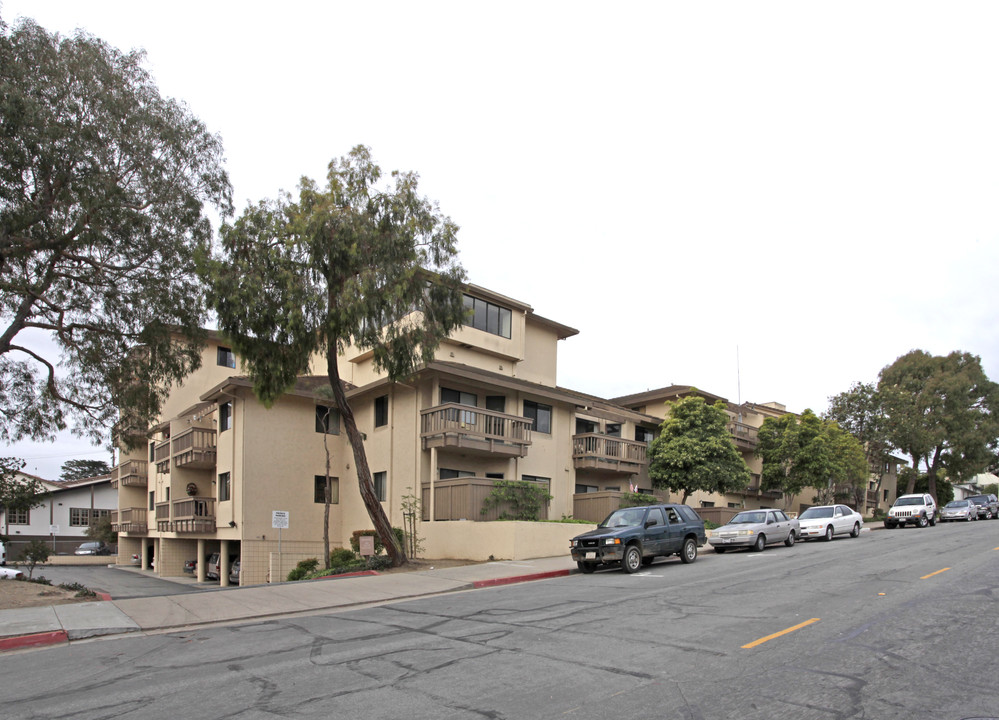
{"x": 505, "y": 540}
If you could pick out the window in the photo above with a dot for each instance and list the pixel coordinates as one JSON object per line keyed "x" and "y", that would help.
{"x": 320, "y": 496}
{"x": 152, "y": 452}
{"x": 457, "y": 396}
{"x": 168, "y": 493}
{"x": 673, "y": 517}
{"x": 18, "y": 517}
{"x": 226, "y": 358}
{"x": 225, "y": 487}
{"x": 688, "y": 514}
{"x": 613, "y": 429}
{"x": 496, "y": 403}
{"x": 381, "y": 411}
{"x": 380, "y": 479}
{"x": 494, "y": 476}
{"x": 449, "y": 474}
{"x": 540, "y": 414}
{"x": 707, "y": 503}
{"x": 643, "y": 435}
{"x": 655, "y": 517}
{"x": 327, "y": 420}
{"x": 225, "y": 417}
{"x": 586, "y": 488}
{"x": 84, "y": 517}
{"x": 152, "y": 500}
{"x": 585, "y": 426}
{"x": 490, "y": 318}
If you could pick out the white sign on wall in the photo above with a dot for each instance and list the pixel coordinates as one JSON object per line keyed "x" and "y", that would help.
{"x": 279, "y": 519}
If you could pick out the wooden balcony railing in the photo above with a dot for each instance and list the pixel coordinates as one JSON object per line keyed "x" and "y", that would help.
{"x": 133, "y": 473}
{"x": 595, "y": 506}
{"x": 194, "y": 448}
{"x": 476, "y": 430}
{"x": 192, "y": 514}
{"x": 129, "y": 520}
{"x": 745, "y": 436}
{"x": 462, "y": 499}
{"x": 161, "y": 456}
{"x": 604, "y": 452}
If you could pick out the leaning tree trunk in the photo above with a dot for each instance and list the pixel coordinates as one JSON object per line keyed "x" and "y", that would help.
{"x": 367, "y": 487}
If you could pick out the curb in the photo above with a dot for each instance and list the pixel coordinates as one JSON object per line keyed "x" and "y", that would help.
{"x": 519, "y": 579}
{"x": 37, "y": 640}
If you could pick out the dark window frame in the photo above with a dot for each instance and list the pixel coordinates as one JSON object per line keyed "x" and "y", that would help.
{"x": 380, "y": 478}
{"x": 225, "y": 357}
{"x": 319, "y": 490}
{"x": 225, "y": 416}
{"x": 488, "y": 317}
{"x": 324, "y": 413}
{"x": 536, "y": 411}
{"x": 381, "y": 410}
{"x": 225, "y": 486}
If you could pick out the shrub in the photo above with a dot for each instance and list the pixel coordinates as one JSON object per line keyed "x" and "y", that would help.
{"x": 525, "y": 499}
{"x": 636, "y": 499}
{"x": 304, "y": 568}
{"x": 342, "y": 556}
{"x": 35, "y": 552}
{"x": 355, "y": 544}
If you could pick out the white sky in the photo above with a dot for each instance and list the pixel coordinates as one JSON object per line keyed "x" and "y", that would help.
{"x": 815, "y": 184}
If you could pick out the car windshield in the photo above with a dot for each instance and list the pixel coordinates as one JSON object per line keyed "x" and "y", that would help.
{"x": 745, "y": 518}
{"x": 628, "y": 517}
{"x": 917, "y": 500}
{"x": 816, "y": 512}
{"x": 957, "y": 503}
{"x": 979, "y": 500}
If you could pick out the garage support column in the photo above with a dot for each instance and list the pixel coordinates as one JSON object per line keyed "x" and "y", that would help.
{"x": 144, "y": 555}
{"x": 224, "y": 564}
{"x": 201, "y": 560}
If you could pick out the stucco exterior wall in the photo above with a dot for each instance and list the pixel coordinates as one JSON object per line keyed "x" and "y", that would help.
{"x": 504, "y": 540}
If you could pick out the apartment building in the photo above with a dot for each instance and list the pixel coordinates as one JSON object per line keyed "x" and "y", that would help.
{"x": 220, "y": 464}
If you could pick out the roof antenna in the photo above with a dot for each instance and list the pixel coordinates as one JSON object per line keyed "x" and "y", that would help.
{"x": 738, "y": 382}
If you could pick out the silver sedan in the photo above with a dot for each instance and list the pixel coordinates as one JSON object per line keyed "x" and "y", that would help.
{"x": 959, "y": 510}
{"x": 755, "y": 529}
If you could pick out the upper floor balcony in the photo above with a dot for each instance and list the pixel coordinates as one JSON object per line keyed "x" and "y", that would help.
{"x": 194, "y": 448}
{"x": 129, "y": 520}
{"x": 475, "y": 430}
{"x": 130, "y": 473}
{"x": 606, "y": 452}
{"x": 191, "y": 514}
{"x": 746, "y": 437}
{"x": 161, "y": 456}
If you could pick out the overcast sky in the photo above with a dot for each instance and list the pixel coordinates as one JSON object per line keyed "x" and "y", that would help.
{"x": 766, "y": 200}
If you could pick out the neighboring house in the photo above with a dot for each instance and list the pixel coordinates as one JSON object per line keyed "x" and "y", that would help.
{"x": 487, "y": 408}
{"x": 62, "y": 519}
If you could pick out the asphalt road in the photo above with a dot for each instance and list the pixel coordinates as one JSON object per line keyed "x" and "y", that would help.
{"x": 894, "y": 624}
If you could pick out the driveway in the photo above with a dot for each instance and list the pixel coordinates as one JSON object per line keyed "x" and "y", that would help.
{"x": 120, "y": 583}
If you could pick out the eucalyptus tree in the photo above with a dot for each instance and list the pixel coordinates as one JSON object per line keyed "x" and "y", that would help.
{"x": 695, "y": 452}
{"x": 346, "y": 264}
{"x": 103, "y": 188}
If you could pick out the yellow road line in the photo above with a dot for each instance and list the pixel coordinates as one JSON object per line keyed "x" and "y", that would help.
{"x": 778, "y": 634}
{"x": 934, "y": 573}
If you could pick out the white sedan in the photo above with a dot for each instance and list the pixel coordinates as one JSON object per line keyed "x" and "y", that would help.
{"x": 10, "y": 573}
{"x": 825, "y": 521}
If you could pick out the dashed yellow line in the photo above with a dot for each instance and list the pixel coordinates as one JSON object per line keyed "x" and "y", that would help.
{"x": 778, "y": 634}
{"x": 934, "y": 573}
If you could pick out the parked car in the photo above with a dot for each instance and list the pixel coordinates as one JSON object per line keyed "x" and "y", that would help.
{"x": 213, "y": 569}
{"x": 988, "y": 506}
{"x": 635, "y": 536}
{"x": 190, "y": 566}
{"x": 92, "y": 548}
{"x": 959, "y": 510}
{"x": 7, "y": 573}
{"x": 234, "y": 573}
{"x": 755, "y": 529}
{"x": 3, "y": 553}
{"x": 919, "y": 509}
{"x": 826, "y": 521}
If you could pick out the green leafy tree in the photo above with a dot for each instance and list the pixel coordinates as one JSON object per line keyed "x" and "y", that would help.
{"x": 19, "y": 491}
{"x": 83, "y": 469}
{"x": 849, "y": 471}
{"x": 795, "y": 454}
{"x": 695, "y": 452}
{"x": 102, "y": 188}
{"x": 943, "y": 412}
{"x": 102, "y": 530}
{"x": 35, "y": 553}
{"x": 860, "y": 411}
{"x": 348, "y": 263}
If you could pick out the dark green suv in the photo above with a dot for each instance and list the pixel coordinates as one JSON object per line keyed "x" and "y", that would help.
{"x": 635, "y": 536}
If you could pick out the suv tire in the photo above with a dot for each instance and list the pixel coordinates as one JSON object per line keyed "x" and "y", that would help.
{"x": 922, "y": 522}
{"x": 632, "y": 560}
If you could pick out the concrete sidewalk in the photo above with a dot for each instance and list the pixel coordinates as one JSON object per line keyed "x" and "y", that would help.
{"x": 33, "y": 627}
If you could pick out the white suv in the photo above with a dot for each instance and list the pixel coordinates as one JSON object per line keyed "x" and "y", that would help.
{"x": 919, "y": 510}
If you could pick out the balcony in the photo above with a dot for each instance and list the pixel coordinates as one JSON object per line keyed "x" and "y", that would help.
{"x": 194, "y": 448}
{"x": 604, "y": 452}
{"x": 753, "y": 490}
{"x": 595, "y": 506}
{"x": 462, "y": 499}
{"x": 746, "y": 437}
{"x": 192, "y": 514}
{"x": 129, "y": 520}
{"x": 474, "y": 430}
{"x": 161, "y": 456}
{"x": 131, "y": 473}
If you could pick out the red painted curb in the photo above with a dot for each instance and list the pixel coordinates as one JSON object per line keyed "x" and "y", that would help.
{"x": 26, "y": 641}
{"x": 519, "y": 578}
{"x": 104, "y": 596}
